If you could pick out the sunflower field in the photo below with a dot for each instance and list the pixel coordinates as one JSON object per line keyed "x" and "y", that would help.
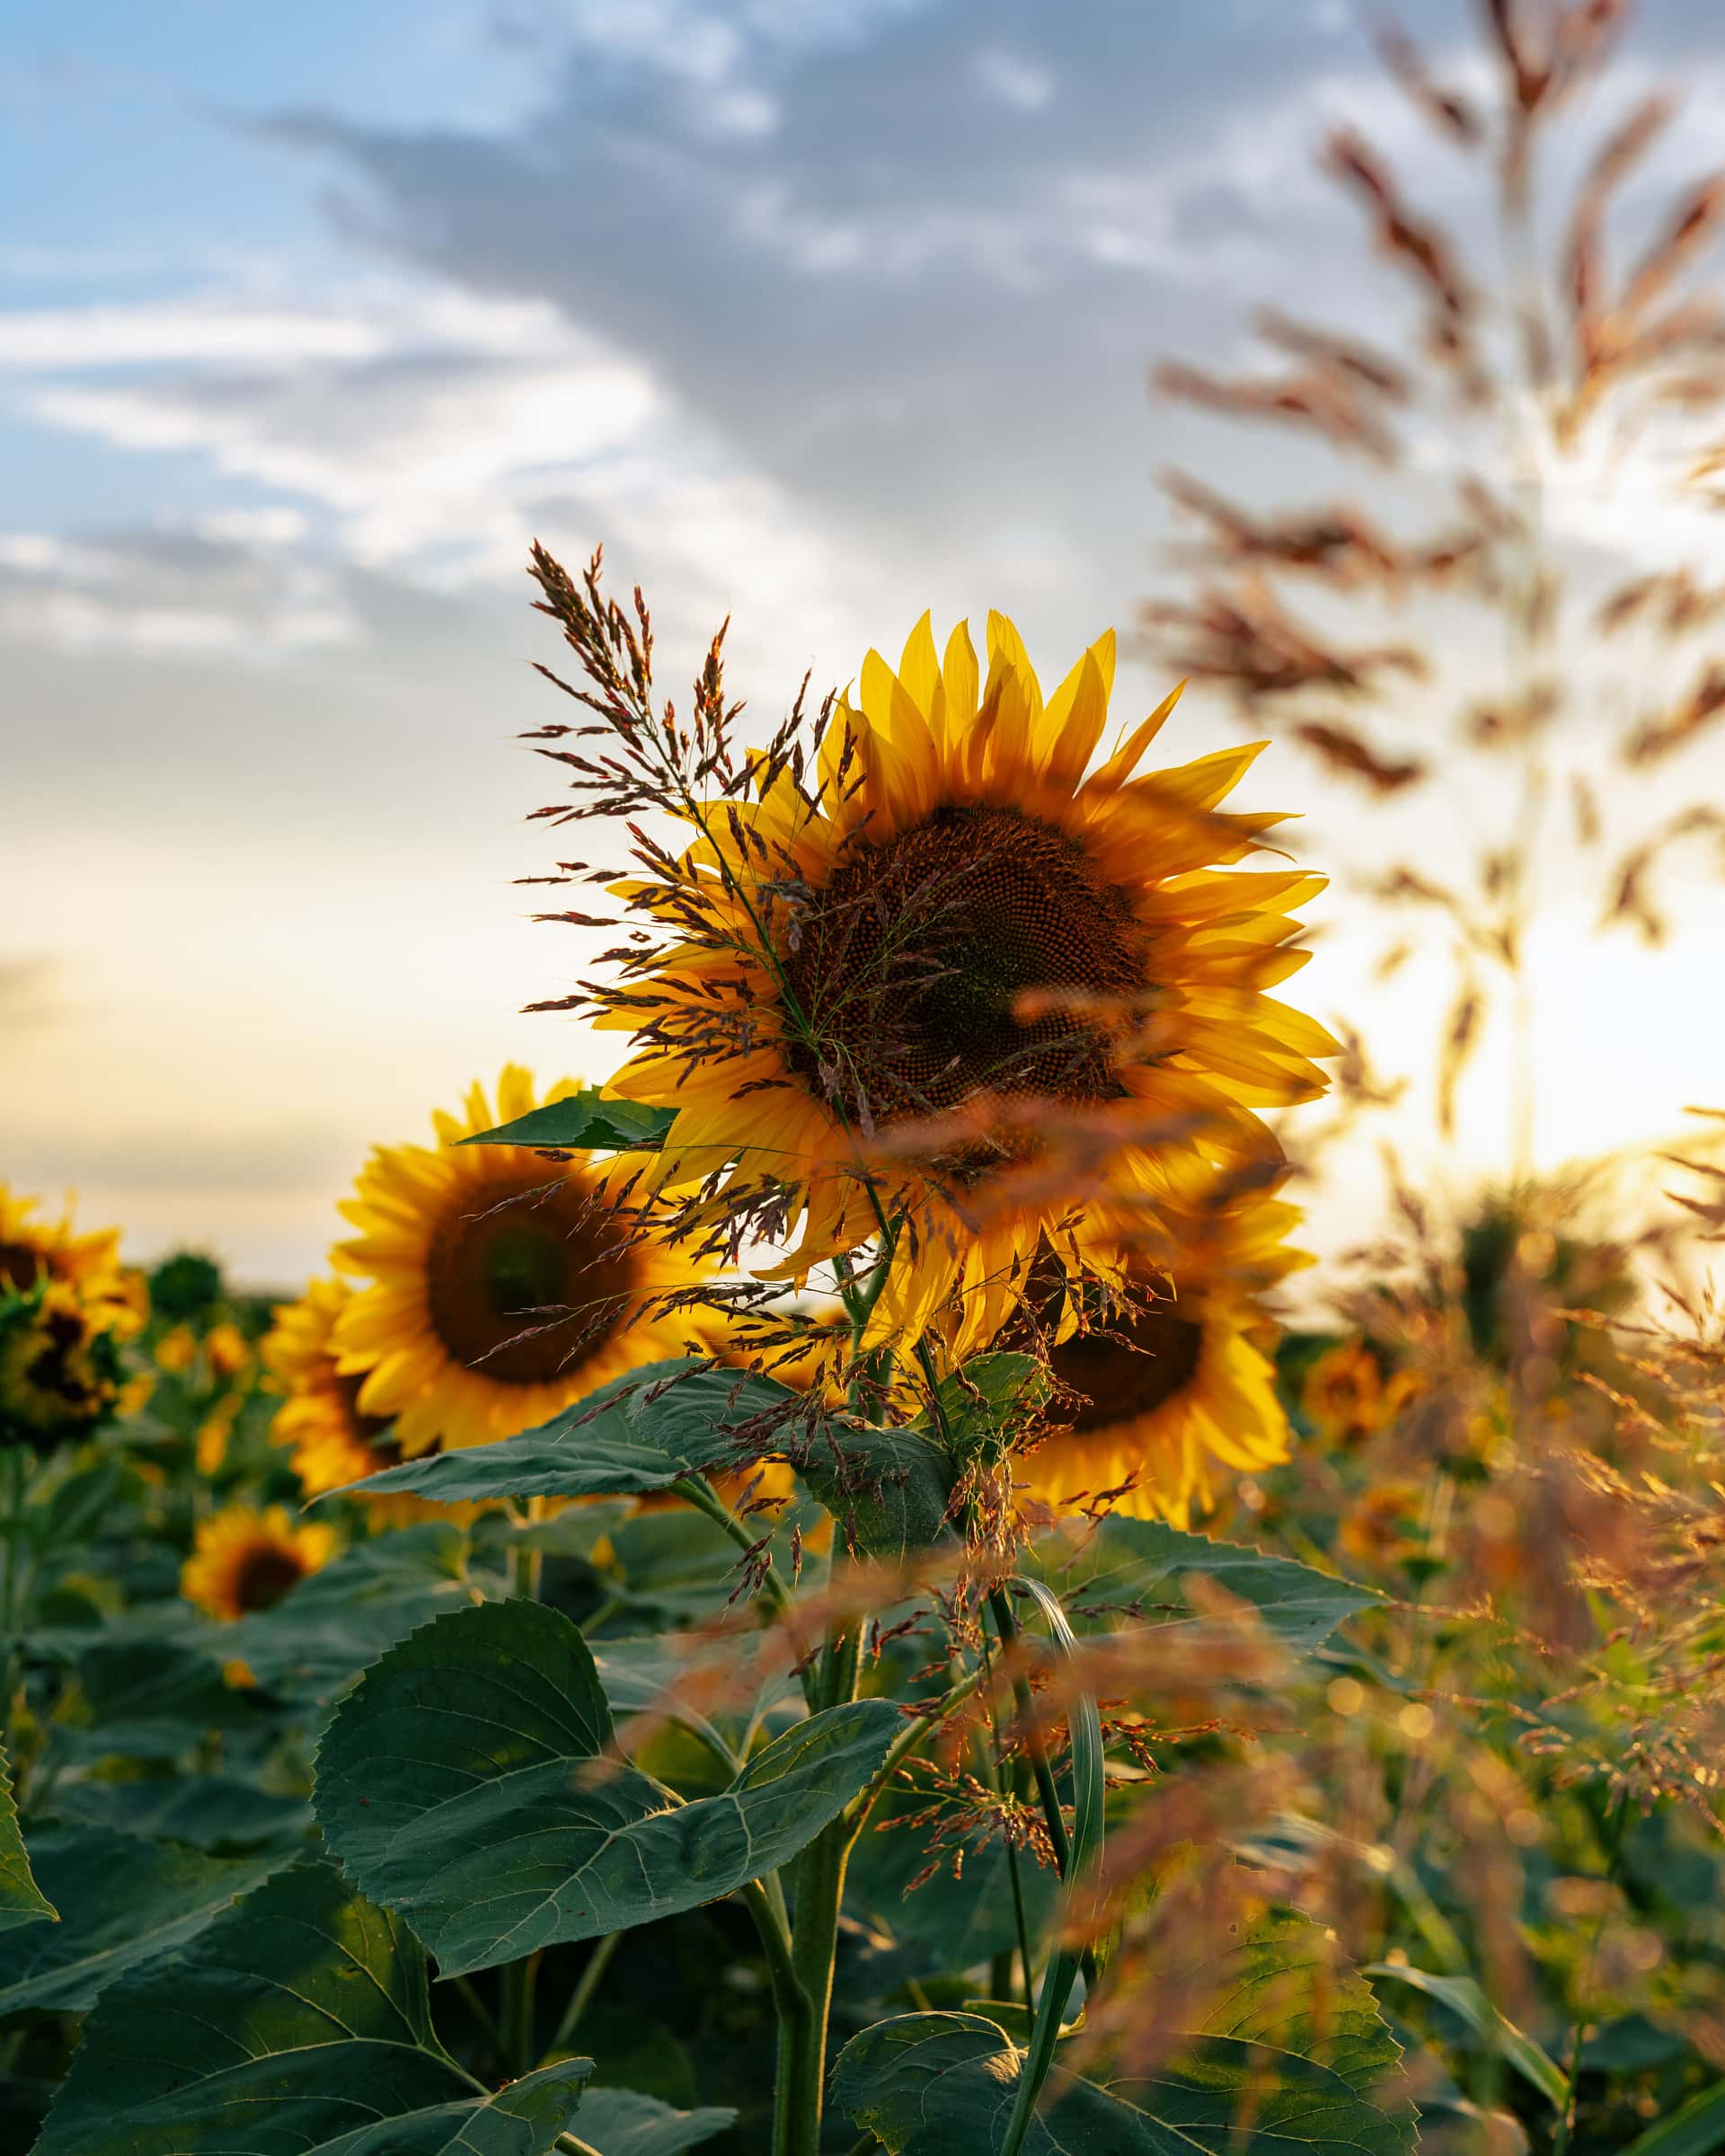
{"x": 854, "y": 1586}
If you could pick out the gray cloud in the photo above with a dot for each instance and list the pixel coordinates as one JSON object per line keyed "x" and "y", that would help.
{"x": 918, "y": 290}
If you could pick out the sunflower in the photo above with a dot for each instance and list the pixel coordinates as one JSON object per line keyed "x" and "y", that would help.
{"x": 1349, "y": 1394}
{"x": 243, "y": 1560}
{"x": 334, "y": 1443}
{"x": 1165, "y": 1388}
{"x": 965, "y": 940}
{"x": 61, "y": 1375}
{"x": 32, "y": 1250}
{"x": 501, "y": 1287}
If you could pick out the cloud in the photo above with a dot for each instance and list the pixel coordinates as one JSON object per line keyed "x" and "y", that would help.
{"x": 226, "y": 586}
{"x": 399, "y": 425}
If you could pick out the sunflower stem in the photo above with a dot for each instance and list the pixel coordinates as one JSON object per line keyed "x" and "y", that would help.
{"x": 14, "y": 1483}
{"x": 817, "y": 1876}
{"x": 526, "y": 1561}
{"x": 519, "y": 1984}
{"x": 581, "y": 1997}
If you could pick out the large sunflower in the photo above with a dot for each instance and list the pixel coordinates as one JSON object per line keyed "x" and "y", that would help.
{"x": 501, "y": 1286}
{"x": 1174, "y": 1382}
{"x": 243, "y": 1560}
{"x": 903, "y": 989}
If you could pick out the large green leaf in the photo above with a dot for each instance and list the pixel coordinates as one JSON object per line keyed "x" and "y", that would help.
{"x": 1696, "y": 2129}
{"x": 622, "y": 2122}
{"x": 122, "y": 1901}
{"x": 887, "y": 1489}
{"x": 217, "y": 1812}
{"x": 337, "y": 1622}
{"x": 21, "y": 1901}
{"x": 463, "y": 1781}
{"x": 642, "y": 1432}
{"x": 975, "y": 1403}
{"x": 1294, "y": 2055}
{"x": 152, "y": 1695}
{"x": 298, "y": 2025}
{"x": 1117, "y": 1571}
{"x": 1463, "y": 1996}
{"x": 587, "y": 1122}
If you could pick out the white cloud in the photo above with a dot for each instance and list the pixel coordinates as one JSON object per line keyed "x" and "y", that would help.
{"x": 415, "y": 429}
{"x": 1013, "y": 81}
{"x": 220, "y": 587}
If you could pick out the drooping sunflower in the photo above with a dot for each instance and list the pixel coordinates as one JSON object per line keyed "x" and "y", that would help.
{"x": 243, "y": 1560}
{"x": 1173, "y": 1383}
{"x": 498, "y": 1287}
{"x": 964, "y": 939}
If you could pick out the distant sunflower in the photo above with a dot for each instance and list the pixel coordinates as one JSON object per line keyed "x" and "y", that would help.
{"x": 501, "y": 1286}
{"x": 333, "y": 1443}
{"x": 1162, "y": 1393}
{"x": 32, "y": 1250}
{"x": 61, "y": 1375}
{"x": 967, "y": 929}
{"x": 243, "y": 1560}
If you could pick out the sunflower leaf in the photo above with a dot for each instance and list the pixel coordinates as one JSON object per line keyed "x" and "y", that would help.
{"x": 1118, "y": 1571}
{"x": 888, "y": 1490}
{"x": 1290, "y": 2050}
{"x": 21, "y": 1901}
{"x": 337, "y": 1621}
{"x": 468, "y": 1782}
{"x": 643, "y": 1432}
{"x": 122, "y": 1901}
{"x": 622, "y": 2122}
{"x": 985, "y": 1396}
{"x": 300, "y": 2018}
{"x": 587, "y": 1122}
{"x": 1463, "y": 1996}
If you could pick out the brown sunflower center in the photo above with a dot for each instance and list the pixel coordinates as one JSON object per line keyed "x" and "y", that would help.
{"x": 523, "y": 1285}
{"x": 21, "y": 1265}
{"x": 371, "y": 1430}
{"x": 1135, "y": 1363}
{"x": 910, "y": 966}
{"x": 264, "y": 1574}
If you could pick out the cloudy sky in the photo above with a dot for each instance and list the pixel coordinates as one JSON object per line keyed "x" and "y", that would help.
{"x": 816, "y": 312}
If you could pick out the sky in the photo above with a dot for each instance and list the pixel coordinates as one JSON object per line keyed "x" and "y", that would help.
{"x": 815, "y": 313}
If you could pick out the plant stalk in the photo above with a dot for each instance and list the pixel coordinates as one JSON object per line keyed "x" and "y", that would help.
{"x": 817, "y": 1879}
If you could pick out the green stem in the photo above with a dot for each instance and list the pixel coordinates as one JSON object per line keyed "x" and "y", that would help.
{"x": 1614, "y": 1844}
{"x": 585, "y": 1985}
{"x": 482, "y": 2013}
{"x": 697, "y": 1490}
{"x": 910, "y": 1741}
{"x": 14, "y": 1482}
{"x": 527, "y": 1564}
{"x": 819, "y": 1890}
{"x": 519, "y": 1983}
{"x": 1001, "y": 1609}
{"x": 791, "y": 2009}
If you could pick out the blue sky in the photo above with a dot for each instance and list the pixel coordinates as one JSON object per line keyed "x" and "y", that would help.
{"x": 818, "y": 312}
